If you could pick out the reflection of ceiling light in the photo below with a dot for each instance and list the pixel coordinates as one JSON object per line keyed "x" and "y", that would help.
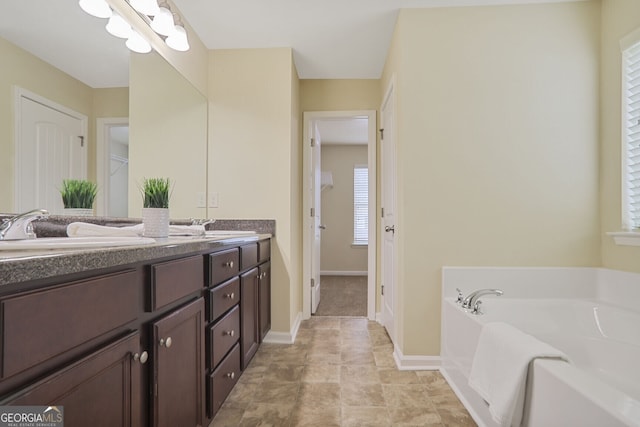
{"x": 146, "y": 7}
{"x": 97, "y": 8}
{"x": 118, "y": 27}
{"x": 163, "y": 22}
{"x": 136, "y": 43}
{"x": 178, "y": 39}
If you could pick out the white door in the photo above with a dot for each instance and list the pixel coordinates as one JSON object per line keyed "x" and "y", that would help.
{"x": 388, "y": 179}
{"x": 50, "y": 147}
{"x": 316, "y": 228}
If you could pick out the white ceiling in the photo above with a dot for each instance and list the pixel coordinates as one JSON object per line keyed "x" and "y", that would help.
{"x": 329, "y": 38}
{"x": 344, "y": 131}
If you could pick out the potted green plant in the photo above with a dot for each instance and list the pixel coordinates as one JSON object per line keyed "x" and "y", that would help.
{"x": 78, "y": 196}
{"x": 155, "y": 207}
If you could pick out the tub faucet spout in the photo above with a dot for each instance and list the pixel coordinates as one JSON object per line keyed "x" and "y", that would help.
{"x": 470, "y": 301}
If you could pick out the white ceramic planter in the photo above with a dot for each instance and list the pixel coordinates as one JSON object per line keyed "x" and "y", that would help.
{"x": 78, "y": 212}
{"x": 156, "y": 222}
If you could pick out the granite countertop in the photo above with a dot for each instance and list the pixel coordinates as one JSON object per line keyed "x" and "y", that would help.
{"x": 29, "y": 265}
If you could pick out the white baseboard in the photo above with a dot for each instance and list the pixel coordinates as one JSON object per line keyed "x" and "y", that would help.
{"x": 274, "y": 337}
{"x": 342, "y": 273}
{"x": 379, "y": 317}
{"x": 416, "y": 363}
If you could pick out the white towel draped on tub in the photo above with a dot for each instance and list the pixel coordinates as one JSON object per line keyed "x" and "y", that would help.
{"x": 500, "y": 366}
{"x": 87, "y": 229}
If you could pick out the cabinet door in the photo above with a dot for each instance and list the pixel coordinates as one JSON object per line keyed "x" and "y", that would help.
{"x": 102, "y": 389}
{"x": 178, "y": 377}
{"x": 264, "y": 294}
{"x": 249, "y": 338}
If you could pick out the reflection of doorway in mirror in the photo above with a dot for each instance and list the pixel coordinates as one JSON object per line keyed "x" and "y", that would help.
{"x": 50, "y": 147}
{"x": 112, "y": 166}
{"x": 118, "y": 171}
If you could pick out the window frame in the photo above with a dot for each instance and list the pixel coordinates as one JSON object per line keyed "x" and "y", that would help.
{"x": 360, "y": 213}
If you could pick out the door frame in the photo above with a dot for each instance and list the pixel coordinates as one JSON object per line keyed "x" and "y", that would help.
{"x": 18, "y": 94}
{"x": 309, "y": 118}
{"x": 103, "y": 159}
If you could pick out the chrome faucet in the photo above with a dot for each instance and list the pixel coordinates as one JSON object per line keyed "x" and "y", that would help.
{"x": 471, "y": 301}
{"x": 20, "y": 227}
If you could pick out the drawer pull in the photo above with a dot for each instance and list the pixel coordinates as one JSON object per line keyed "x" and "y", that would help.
{"x": 228, "y": 264}
{"x": 230, "y": 296}
{"x": 230, "y": 333}
{"x": 166, "y": 342}
{"x": 231, "y": 375}
{"x": 142, "y": 358}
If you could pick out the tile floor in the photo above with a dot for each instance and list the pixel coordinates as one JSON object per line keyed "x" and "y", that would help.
{"x": 339, "y": 372}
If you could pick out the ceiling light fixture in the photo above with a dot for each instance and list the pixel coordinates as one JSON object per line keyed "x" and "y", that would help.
{"x": 137, "y": 43}
{"x": 118, "y": 26}
{"x": 162, "y": 23}
{"x": 178, "y": 39}
{"x": 97, "y": 8}
{"x": 146, "y": 7}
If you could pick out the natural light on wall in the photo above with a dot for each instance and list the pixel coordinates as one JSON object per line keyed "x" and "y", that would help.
{"x": 159, "y": 18}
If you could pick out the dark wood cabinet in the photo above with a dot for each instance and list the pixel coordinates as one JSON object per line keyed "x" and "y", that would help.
{"x": 101, "y": 389}
{"x": 160, "y": 342}
{"x": 249, "y": 337}
{"x": 178, "y": 368}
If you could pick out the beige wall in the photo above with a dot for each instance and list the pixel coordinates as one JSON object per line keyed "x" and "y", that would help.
{"x": 619, "y": 18}
{"x": 497, "y": 146}
{"x": 167, "y": 135}
{"x": 254, "y": 157}
{"x": 337, "y": 252}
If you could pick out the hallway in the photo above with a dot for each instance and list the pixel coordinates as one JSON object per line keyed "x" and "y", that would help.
{"x": 340, "y": 372}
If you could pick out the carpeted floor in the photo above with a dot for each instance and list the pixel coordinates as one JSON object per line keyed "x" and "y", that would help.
{"x": 343, "y": 296}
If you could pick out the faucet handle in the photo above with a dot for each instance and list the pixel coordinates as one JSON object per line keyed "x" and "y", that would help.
{"x": 476, "y": 308}
{"x": 460, "y": 296}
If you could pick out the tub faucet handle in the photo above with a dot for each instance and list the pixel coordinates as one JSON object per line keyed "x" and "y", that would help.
{"x": 460, "y": 296}
{"x": 476, "y": 308}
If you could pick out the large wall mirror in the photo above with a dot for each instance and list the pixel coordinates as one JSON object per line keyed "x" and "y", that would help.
{"x": 142, "y": 118}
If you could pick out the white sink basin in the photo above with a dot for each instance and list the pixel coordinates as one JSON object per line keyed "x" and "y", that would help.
{"x": 73, "y": 243}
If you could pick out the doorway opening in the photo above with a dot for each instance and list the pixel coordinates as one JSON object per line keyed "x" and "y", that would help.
{"x": 339, "y": 206}
{"x": 112, "y": 166}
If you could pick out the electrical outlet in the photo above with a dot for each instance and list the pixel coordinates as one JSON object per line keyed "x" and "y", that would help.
{"x": 201, "y": 200}
{"x": 213, "y": 199}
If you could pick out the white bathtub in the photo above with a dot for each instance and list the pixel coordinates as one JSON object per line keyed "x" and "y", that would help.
{"x": 598, "y": 329}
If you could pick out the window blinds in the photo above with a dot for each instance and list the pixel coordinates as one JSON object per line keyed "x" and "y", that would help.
{"x": 631, "y": 135}
{"x": 360, "y": 205}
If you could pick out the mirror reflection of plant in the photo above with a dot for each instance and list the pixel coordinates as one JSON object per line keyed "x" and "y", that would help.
{"x": 155, "y": 192}
{"x": 78, "y": 193}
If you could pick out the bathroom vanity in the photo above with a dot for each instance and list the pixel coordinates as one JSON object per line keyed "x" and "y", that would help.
{"x": 137, "y": 336}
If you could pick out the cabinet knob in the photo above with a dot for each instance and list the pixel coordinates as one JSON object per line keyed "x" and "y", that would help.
{"x": 165, "y": 342}
{"x": 231, "y": 375}
{"x": 230, "y": 333}
{"x": 142, "y": 358}
{"x": 230, "y": 296}
{"x": 228, "y": 264}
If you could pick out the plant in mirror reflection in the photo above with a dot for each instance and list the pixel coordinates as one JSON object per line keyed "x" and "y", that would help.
{"x": 78, "y": 193}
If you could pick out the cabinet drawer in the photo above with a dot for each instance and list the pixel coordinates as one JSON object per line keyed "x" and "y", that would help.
{"x": 264, "y": 250}
{"x": 173, "y": 280}
{"x": 248, "y": 255}
{"x": 44, "y": 324}
{"x": 223, "y": 379}
{"x": 223, "y": 297}
{"x": 223, "y": 335}
{"x": 223, "y": 265}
